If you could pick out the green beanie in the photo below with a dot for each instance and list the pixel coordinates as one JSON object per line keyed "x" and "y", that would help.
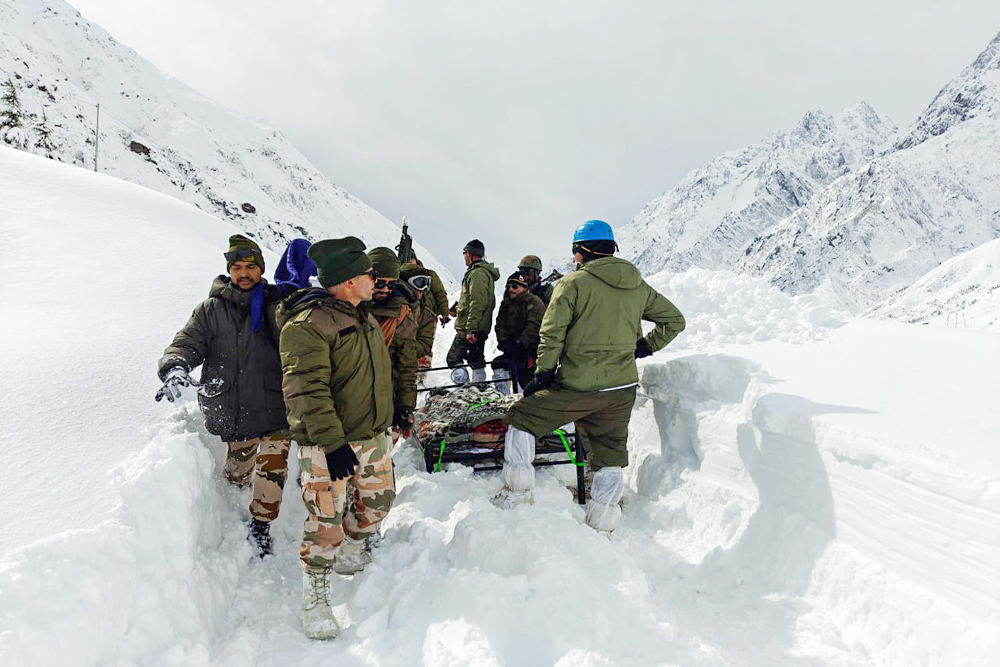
{"x": 385, "y": 261}
{"x": 338, "y": 260}
{"x": 242, "y": 249}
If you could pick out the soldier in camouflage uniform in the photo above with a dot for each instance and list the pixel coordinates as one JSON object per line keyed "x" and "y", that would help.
{"x": 338, "y": 391}
{"x": 232, "y": 335}
{"x": 392, "y": 306}
{"x": 518, "y": 322}
{"x": 531, "y": 268}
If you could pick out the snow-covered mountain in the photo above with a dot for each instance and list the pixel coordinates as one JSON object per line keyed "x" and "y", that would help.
{"x": 159, "y": 133}
{"x": 716, "y": 209}
{"x": 962, "y": 292}
{"x": 935, "y": 195}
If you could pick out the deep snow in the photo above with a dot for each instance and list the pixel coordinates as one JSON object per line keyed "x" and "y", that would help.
{"x": 803, "y": 491}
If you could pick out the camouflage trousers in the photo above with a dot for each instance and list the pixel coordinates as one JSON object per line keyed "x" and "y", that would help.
{"x": 265, "y": 460}
{"x": 354, "y": 506}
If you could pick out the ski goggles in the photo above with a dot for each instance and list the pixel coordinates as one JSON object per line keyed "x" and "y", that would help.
{"x": 241, "y": 255}
{"x": 420, "y": 283}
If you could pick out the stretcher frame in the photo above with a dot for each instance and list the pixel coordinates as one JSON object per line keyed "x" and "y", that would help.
{"x": 436, "y": 454}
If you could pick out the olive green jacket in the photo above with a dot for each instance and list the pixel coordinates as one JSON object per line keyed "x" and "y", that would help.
{"x": 437, "y": 298}
{"x": 337, "y": 377}
{"x": 426, "y": 326}
{"x": 591, "y": 327}
{"x": 403, "y": 346}
{"x": 520, "y": 319}
{"x": 478, "y": 298}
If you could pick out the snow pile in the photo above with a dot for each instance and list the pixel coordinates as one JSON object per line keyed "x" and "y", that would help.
{"x": 722, "y": 307}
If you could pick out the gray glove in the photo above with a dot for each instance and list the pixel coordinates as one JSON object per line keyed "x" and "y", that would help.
{"x": 175, "y": 378}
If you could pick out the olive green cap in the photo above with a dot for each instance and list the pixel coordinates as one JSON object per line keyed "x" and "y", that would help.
{"x": 338, "y": 260}
{"x": 243, "y": 245}
{"x": 385, "y": 261}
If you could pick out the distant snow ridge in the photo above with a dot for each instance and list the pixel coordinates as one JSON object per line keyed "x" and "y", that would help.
{"x": 962, "y": 292}
{"x": 716, "y": 209}
{"x": 157, "y": 132}
{"x": 725, "y": 308}
{"x": 878, "y": 230}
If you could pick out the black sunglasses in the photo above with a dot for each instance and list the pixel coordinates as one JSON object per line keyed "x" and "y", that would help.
{"x": 382, "y": 283}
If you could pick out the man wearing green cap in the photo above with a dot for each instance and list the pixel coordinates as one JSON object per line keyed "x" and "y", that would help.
{"x": 392, "y": 306}
{"x": 232, "y": 335}
{"x": 339, "y": 396}
{"x": 518, "y": 322}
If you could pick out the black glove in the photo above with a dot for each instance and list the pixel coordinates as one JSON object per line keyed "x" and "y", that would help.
{"x": 514, "y": 350}
{"x": 341, "y": 461}
{"x": 541, "y": 381}
{"x": 173, "y": 380}
{"x": 642, "y": 349}
{"x": 402, "y": 419}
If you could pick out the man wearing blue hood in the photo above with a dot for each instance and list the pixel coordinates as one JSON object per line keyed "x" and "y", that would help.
{"x": 233, "y": 337}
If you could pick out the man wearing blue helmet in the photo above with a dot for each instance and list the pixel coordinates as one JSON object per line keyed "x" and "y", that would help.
{"x": 591, "y": 335}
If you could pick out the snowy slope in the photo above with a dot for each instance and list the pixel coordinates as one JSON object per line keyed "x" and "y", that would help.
{"x": 229, "y": 165}
{"x": 716, "y": 209}
{"x": 963, "y": 291}
{"x": 822, "y": 503}
{"x": 878, "y": 230}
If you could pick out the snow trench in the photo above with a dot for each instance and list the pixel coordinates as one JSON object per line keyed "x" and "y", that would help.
{"x": 731, "y": 552}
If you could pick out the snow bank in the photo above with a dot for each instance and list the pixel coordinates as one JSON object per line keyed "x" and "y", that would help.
{"x": 722, "y": 307}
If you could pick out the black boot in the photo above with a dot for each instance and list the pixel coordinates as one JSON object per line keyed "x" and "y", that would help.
{"x": 260, "y": 537}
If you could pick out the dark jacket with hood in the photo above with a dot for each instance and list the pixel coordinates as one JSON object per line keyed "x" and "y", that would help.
{"x": 220, "y": 338}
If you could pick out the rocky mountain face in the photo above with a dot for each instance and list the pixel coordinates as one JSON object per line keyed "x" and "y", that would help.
{"x": 716, "y": 209}
{"x": 874, "y": 232}
{"x": 159, "y": 133}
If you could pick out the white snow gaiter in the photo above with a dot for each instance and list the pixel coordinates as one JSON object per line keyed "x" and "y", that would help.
{"x": 500, "y": 381}
{"x": 603, "y": 512}
{"x": 478, "y": 375}
{"x": 518, "y": 454}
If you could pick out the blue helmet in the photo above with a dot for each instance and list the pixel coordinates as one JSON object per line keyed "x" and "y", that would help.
{"x": 593, "y": 230}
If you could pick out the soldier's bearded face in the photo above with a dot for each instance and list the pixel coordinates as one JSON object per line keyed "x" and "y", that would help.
{"x": 245, "y": 275}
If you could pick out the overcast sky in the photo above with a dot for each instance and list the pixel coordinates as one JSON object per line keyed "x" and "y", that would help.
{"x": 514, "y": 122}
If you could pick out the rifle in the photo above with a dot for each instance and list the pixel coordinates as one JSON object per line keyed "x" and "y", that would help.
{"x": 405, "y": 248}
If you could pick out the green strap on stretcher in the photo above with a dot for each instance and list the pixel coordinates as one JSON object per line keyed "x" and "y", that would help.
{"x": 440, "y": 454}
{"x": 562, "y": 436}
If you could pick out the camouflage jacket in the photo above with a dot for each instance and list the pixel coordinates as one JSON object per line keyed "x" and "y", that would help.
{"x": 477, "y": 300}
{"x": 590, "y": 328}
{"x": 398, "y": 323}
{"x": 519, "y": 319}
{"x": 337, "y": 373}
{"x": 219, "y": 337}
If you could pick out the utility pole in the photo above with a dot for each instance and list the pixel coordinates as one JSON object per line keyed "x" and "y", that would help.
{"x": 97, "y": 135}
